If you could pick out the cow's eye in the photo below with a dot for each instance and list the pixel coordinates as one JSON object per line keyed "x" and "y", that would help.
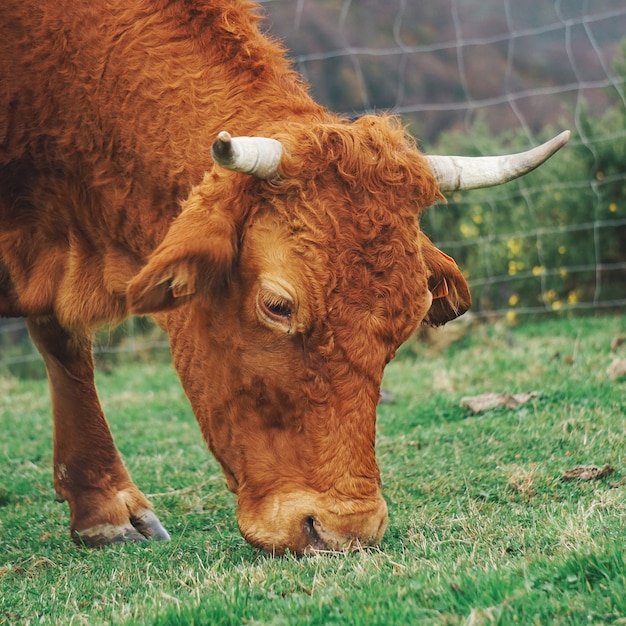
{"x": 275, "y": 309}
{"x": 278, "y": 308}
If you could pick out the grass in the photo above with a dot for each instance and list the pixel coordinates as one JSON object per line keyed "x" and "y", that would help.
{"x": 482, "y": 528}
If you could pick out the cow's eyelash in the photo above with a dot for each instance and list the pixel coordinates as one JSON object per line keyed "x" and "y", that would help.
{"x": 275, "y": 309}
{"x": 277, "y": 305}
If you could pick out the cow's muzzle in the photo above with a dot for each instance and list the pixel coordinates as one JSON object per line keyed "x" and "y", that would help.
{"x": 305, "y": 523}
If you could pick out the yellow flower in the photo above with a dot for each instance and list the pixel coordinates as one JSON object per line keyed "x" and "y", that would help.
{"x": 511, "y": 316}
{"x": 538, "y": 270}
{"x": 572, "y": 297}
{"x": 477, "y": 219}
{"x": 468, "y": 231}
{"x": 556, "y": 305}
{"x": 613, "y": 207}
{"x": 514, "y": 246}
{"x": 563, "y": 272}
{"x": 512, "y": 268}
{"x": 599, "y": 175}
{"x": 513, "y": 300}
{"x": 562, "y": 249}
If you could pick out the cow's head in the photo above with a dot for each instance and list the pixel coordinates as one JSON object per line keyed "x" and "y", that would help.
{"x": 298, "y": 287}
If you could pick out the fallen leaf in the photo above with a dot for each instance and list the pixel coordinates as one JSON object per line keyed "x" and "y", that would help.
{"x": 587, "y": 472}
{"x": 488, "y": 401}
{"x": 617, "y": 341}
{"x": 617, "y": 369}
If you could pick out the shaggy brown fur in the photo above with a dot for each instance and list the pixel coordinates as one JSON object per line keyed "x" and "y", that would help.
{"x": 110, "y": 204}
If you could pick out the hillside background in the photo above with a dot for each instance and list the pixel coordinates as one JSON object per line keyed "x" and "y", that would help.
{"x": 438, "y": 62}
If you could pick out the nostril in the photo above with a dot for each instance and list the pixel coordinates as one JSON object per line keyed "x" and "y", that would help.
{"x": 313, "y": 539}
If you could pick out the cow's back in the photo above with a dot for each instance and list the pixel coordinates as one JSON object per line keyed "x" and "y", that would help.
{"x": 107, "y": 114}
{"x": 159, "y": 76}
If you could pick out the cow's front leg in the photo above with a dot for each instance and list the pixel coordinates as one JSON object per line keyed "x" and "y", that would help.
{"x": 106, "y": 507}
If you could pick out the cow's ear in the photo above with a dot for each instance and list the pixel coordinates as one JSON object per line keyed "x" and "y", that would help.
{"x": 451, "y": 294}
{"x": 196, "y": 253}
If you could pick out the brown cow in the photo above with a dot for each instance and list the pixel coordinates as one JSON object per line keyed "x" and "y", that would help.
{"x": 286, "y": 275}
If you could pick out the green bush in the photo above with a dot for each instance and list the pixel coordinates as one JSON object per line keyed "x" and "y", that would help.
{"x": 552, "y": 240}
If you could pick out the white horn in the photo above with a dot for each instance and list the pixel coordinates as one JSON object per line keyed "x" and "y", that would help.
{"x": 259, "y": 156}
{"x": 454, "y": 173}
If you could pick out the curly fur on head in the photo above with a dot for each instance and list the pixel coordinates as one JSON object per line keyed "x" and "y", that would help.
{"x": 370, "y": 184}
{"x": 374, "y": 157}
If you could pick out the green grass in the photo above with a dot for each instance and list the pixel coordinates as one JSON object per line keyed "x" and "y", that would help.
{"x": 482, "y": 529}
